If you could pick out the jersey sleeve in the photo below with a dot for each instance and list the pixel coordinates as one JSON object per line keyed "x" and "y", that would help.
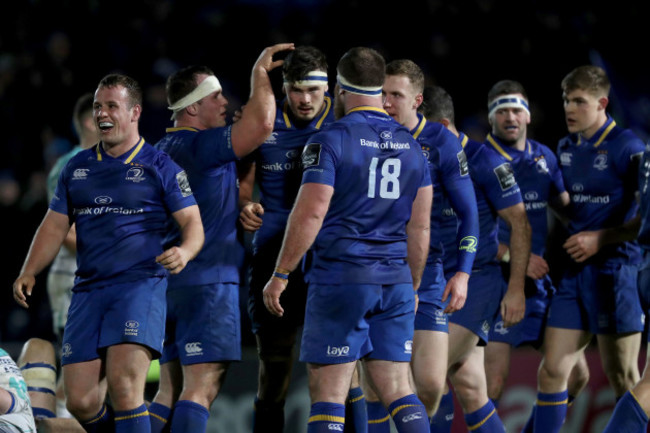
{"x": 214, "y": 147}
{"x": 319, "y": 158}
{"x": 177, "y": 191}
{"x": 501, "y": 186}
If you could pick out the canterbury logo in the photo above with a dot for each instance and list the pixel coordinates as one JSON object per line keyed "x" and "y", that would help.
{"x": 193, "y": 348}
{"x": 412, "y": 417}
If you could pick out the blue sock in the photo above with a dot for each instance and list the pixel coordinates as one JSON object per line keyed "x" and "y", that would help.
{"x": 133, "y": 421}
{"x": 356, "y": 417}
{"x": 326, "y": 417}
{"x": 528, "y": 428}
{"x": 159, "y": 416}
{"x": 378, "y": 417}
{"x": 628, "y": 416}
{"x": 486, "y": 419}
{"x": 189, "y": 417}
{"x": 442, "y": 420}
{"x": 550, "y": 411}
{"x": 268, "y": 416}
{"x": 103, "y": 422}
{"x": 409, "y": 414}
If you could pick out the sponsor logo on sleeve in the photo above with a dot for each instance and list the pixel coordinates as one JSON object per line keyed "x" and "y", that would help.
{"x": 183, "y": 183}
{"x": 505, "y": 175}
{"x": 311, "y": 155}
{"x": 462, "y": 163}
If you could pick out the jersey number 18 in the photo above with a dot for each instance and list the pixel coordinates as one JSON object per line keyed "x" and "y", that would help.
{"x": 389, "y": 183}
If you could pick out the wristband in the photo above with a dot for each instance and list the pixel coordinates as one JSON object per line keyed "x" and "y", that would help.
{"x": 282, "y": 274}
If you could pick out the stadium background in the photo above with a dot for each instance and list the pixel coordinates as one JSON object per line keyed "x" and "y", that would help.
{"x": 52, "y": 51}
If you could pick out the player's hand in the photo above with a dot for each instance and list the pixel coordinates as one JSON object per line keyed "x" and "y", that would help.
{"x": 271, "y": 294}
{"x": 174, "y": 259}
{"x": 250, "y": 216}
{"x": 513, "y": 306}
{"x": 23, "y": 287}
{"x": 537, "y": 267}
{"x": 457, "y": 288}
{"x": 265, "y": 60}
{"x": 582, "y": 245}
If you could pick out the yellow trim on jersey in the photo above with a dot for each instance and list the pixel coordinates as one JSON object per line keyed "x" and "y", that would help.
{"x": 477, "y": 425}
{"x": 285, "y": 114}
{"x": 328, "y": 106}
{"x": 366, "y": 108}
{"x": 605, "y": 133}
{"x": 501, "y": 150}
{"x": 181, "y": 128}
{"x": 420, "y": 127}
{"x": 134, "y": 152}
{"x": 464, "y": 141}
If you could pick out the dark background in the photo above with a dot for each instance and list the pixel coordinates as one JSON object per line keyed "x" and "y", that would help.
{"x": 52, "y": 51}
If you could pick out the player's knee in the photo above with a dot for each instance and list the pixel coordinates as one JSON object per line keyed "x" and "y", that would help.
{"x": 430, "y": 390}
{"x": 37, "y": 365}
{"x": 37, "y": 350}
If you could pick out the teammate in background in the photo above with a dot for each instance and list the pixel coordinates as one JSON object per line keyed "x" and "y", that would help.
{"x": 598, "y": 291}
{"x": 632, "y": 409}
{"x": 497, "y": 195}
{"x": 203, "y": 330}
{"x": 37, "y": 363}
{"x": 276, "y": 167}
{"x": 60, "y": 278}
{"x": 120, "y": 193}
{"x": 365, "y": 205}
{"x": 15, "y": 407}
{"x": 539, "y": 177}
{"x": 451, "y": 184}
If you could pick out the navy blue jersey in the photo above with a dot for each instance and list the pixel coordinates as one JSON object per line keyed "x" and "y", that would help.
{"x": 601, "y": 177}
{"x": 121, "y": 207}
{"x": 540, "y": 180}
{"x": 452, "y": 188}
{"x": 496, "y": 188}
{"x": 278, "y": 170}
{"x": 644, "y": 191}
{"x": 208, "y": 159}
{"x": 376, "y": 169}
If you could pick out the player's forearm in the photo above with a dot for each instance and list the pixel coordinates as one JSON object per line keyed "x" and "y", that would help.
{"x": 299, "y": 236}
{"x": 520, "y": 242}
{"x": 623, "y": 233}
{"x": 192, "y": 237}
{"x": 417, "y": 252}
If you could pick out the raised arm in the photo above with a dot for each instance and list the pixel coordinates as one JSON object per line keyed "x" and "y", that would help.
{"x": 258, "y": 115}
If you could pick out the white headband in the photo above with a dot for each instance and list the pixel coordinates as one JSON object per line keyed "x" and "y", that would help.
{"x": 507, "y": 101}
{"x": 359, "y": 90}
{"x": 209, "y": 85}
{"x": 313, "y": 78}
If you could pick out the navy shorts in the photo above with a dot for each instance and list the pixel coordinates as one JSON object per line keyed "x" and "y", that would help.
{"x": 430, "y": 315}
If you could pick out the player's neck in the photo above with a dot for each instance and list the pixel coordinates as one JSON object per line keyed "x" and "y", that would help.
{"x": 117, "y": 149}
{"x": 594, "y": 128}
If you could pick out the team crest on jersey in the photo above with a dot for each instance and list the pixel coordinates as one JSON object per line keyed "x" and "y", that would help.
{"x": 135, "y": 174}
{"x": 577, "y": 187}
{"x": 311, "y": 155}
{"x": 541, "y": 166}
{"x": 66, "y": 350}
{"x": 273, "y": 138}
{"x": 426, "y": 154}
{"x": 500, "y": 329}
{"x": 183, "y": 183}
{"x": 408, "y": 346}
{"x": 386, "y": 135}
{"x": 600, "y": 162}
{"x": 468, "y": 243}
{"x": 506, "y": 176}
{"x": 462, "y": 163}
{"x": 103, "y": 199}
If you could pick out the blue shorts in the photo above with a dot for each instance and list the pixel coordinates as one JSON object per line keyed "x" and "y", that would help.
{"x": 485, "y": 290}
{"x": 531, "y": 329}
{"x": 430, "y": 315}
{"x": 644, "y": 285}
{"x": 600, "y": 299}
{"x": 293, "y": 299}
{"x": 346, "y": 322}
{"x": 203, "y": 324}
{"x": 129, "y": 312}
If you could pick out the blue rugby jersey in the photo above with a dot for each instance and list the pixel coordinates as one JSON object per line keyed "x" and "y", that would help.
{"x": 601, "y": 177}
{"x": 278, "y": 170}
{"x": 208, "y": 159}
{"x": 644, "y": 207}
{"x": 496, "y": 188}
{"x": 452, "y": 189}
{"x": 121, "y": 207}
{"x": 376, "y": 169}
{"x": 540, "y": 180}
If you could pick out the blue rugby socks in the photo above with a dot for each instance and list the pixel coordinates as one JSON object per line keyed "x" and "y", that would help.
{"x": 485, "y": 420}
{"x": 442, "y": 420}
{"x": 628, "y": 416}
{"x": 409, "y": 414}
{"x": 378, "y": 417}
{"x": 550, "y": 411}
{"x": 326, "y": 417}
{"x": 356, "y": 417}
{"x": 159, "y": 417}
{"x": 133, "y": 421}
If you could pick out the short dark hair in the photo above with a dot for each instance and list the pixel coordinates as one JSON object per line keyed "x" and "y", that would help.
{"x": 363, "y": 66}
{"x": 410, "y": 70}
{"x": 301, "y": 61}
{"x": 83, "y": 107}
{"x": 132, "y": 86}
{"x": 437, "y": 104}
{"x": 590, "y": 78}
{"x": 506, "y": 87}
{"x": 183, "y": 81}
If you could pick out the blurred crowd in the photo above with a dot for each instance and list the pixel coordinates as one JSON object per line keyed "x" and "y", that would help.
{"x": 52, "y": 51}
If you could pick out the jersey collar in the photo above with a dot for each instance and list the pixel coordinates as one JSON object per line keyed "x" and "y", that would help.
{"x": 415, "y": 132}
{"x": 503, "y": 149}
{"x": 327, "y": 102}
{"x": 600, "y": 135}
{"x": 128, "y": 156}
